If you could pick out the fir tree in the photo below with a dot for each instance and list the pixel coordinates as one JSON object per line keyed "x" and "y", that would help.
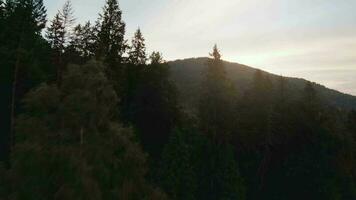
{"x": 180, "y": 165}
{"x": 217, "y": 100}
{"x": 55, "y": 33}
{"x": 111, "y": 30}
{"x": 67, "y": 14}
{"x": 2, "y": 12}
{"x": 24, "y": 49}
{"x": 137, "y": 53}
{"x": 156, "y": 58}
{"x": 82, "y": 42}
{"x": 56, "y": 37}
{"x": 59, "y": 152}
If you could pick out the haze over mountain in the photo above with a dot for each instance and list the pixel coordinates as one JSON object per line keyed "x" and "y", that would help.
{"x": 299, "y": 38}
{"x": 89, "y": 112}
{"x": 187, "y": 74}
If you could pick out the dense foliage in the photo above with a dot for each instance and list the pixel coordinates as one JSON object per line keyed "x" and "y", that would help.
{"x": 89, "y": 116}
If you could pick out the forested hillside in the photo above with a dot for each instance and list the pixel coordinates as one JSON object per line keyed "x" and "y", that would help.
{"x": 87, "y": 114}
{"x": 187, "y": 75}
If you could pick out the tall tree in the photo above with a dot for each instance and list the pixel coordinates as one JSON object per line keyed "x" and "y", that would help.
{"x": 111, "y": 31}
{"x": 156, "y": 58}
{"x": 180, "y": 165}
{"x": 59, "y": 34}
{"x": 56, "y": 36}
{"x": 216, "y": 107}
{"x": 154, "y": 107}
{"x": 311, "y": 104}
{"x": 59, "y": 152}
{"x": 24, "y": 48}
{"x": 137, "y": 53}
{"x": 2, "y": 12}
{"x": 67, "y": 14}
{"x": 83, "y": 41}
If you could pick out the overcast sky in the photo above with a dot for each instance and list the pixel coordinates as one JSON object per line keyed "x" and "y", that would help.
{"x": 312, "y": 39}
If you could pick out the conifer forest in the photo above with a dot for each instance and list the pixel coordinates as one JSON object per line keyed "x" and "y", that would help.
{"x": 88, "y": 115}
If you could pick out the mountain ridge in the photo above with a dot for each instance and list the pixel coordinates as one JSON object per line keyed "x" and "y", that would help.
{"x": 186, "y": 73}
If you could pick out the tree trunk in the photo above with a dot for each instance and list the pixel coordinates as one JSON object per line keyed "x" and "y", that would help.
{"x": 13, "y": 101}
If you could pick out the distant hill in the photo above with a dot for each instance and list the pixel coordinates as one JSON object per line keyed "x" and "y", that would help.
{"x": 187, "y": 75}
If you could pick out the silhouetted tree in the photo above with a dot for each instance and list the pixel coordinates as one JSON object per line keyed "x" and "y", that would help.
{"x": 56, "y": 37}
{"x": 67, "y": 14}
{"x": 24, "y": 50}
{"x": 82, "y": 43}
{"x": 156, "y": 58}
{"x": 2, "y": 12}
{"x": 216, "y": 106}
{"x": 111, "y": 30}
{"x": 155, "y": 109}
{"x": 137, "y": 53}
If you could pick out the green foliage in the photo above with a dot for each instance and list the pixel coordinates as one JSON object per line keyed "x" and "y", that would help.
{"x": 154, "y": 109}
{"x": 219, "y": 176}
{"x": 82, "y": 43}
{"x": 24, "y": 57}
{"x": 180, "y": 165}
{"x": 59, "y": 152}
{"x": 193, "y": 167}
{"x": 111, "y": 30}
{"x": 55, "y": 33}
{"x": 156, "y": 58}
{"x": 137, "y": 53}
{"x": 272, "y": 138}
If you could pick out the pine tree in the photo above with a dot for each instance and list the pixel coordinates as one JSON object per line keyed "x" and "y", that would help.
{"x": 2, "y": 12}
{"x": 56, "y": 37}
{"x": 67, "y": 14}
{"x": 219, "y": 174}
{"x": 82, "y": 43}
{"x": 60, "y": 138}
{"x": 59, "y": 35}
{"x": 137, "y": 53}
{"x": 216, "y": 107}
{"x": 180, "y": 165}
{"x": 111, "y": 31}
{"x": 154, "y": 107}
{"x": 311, "y": 104}
{"x": 24, "y": 48}
{"x": 156, "y": 58}
{"x": 55, "y": 33}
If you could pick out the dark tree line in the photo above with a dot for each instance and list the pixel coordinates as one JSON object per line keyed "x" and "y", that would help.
{"x": 89, "y": 115}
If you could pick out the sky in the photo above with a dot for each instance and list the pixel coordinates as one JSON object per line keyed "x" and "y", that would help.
{"x": 311, "y": 39}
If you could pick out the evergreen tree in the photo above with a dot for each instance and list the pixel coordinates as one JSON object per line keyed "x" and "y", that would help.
{"x": 180, "y": 165}
{"x": 55, "y": 33}
{"x": 82, "y": 43}
{"x": 156, "y": 58}
{"x": 137, "y": 53}
{"x": 67, "y": 14}
{"x": 111, "y": 31}
{"x": 56, "y": 37}
{"x": 154, "y": 108}
{"x": 219, "y": 176}
{"x": 311, "y": 107}
{"x": 59, "y": 34}
{"x": 24, "y": 51}
{"x": 216, "y": 107}
{"x": 2, "y": 12}
{"x": 59, "y": 152}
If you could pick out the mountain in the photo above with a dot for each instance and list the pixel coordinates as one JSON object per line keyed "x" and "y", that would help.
{"x": 187, "y": 75}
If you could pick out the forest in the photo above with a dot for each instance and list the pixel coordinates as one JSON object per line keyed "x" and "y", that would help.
{"x": 87, "y": 114}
